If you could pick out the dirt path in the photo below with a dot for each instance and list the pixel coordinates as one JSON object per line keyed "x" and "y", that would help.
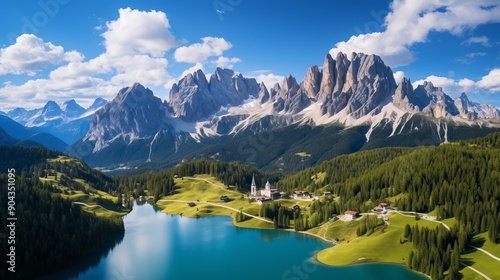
{"x": 218, "y": 205}
{"x": 486, "y": 252}
{"x": 94, "y": 205}
{"x": 476, "y": 271}
{"x": 448, "y": 228}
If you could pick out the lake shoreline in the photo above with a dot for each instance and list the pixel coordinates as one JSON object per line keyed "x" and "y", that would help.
{"x": 333, "y": 243}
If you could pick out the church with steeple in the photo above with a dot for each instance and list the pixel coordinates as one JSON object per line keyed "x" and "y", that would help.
{"x": 268, "y": 192}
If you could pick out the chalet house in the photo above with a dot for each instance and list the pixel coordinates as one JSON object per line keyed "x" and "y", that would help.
{"x": 301, "y": 194}
{"x": 284, "y": 195}
{"x": 224, "y": 198}
{"x": 191, "y": 204}
{"x": 350, "y": 215}
{"x": 262, "y": 199}
{"x": 295, "y": 207}
{"x": 382, "y": 207}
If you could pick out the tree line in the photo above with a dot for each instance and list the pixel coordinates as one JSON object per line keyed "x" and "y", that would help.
{"x": 51, "y": 232}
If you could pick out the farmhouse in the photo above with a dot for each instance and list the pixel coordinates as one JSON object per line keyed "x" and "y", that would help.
{"x": 301, "y": 194}
{"x": 350, "y": 215}
{"x": 262, "y": 199}
{"x": 382, "y": 207}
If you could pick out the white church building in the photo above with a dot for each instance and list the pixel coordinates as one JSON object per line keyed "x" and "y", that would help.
{"x": 269, "y": 192}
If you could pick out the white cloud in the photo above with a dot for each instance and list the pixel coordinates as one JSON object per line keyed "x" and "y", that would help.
{"x": 410, "y": 22}
{"x": 139, "y": 32}
{"x": 398, "y": 76}
{"x": 200, "y": 52}
{"x": 192, "y": 69}
{"x": 135, "y": 47}
{"x": 491, "y": 82}
{"x": 482, "y": 40}
{"x": 31, "y": 54}
{"x": 226, "y": 62}
{"x": 269, "y": 80}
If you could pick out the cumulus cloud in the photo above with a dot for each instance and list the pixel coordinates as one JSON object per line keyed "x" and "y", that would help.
{"x": 139, "y": 32}
{"x": 491, "y": 82}
{"x": 135, "y": 48}
{"x": 269, "y": 79}
{"x": 30, "y": 54}
{"x": 200, "y": 52}
{"x": 226, "y": 62}
{"x": 398, "y": 76}
{"x": 410, "y": 22}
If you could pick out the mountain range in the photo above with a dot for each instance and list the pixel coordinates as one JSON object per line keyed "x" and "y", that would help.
{"x": 347, "y": 105}
{"x": 67, "y": 121}
{"x": 13, "y": 133}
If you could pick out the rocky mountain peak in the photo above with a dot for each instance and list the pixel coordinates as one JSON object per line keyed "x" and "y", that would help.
{"x": 51, "y": 110}
{"x": 134, "y": 113}
{"x": 327, "y": 78}
{"x": 264, "y": 95}
{"x": 133, "y": 96}
{"x": 290, "y": 83}
{"x": 98, "y": 103}
{"x": 72, "y": 109}
{"x": 195, "y": 98}
{"x": 359, "y": 85}
{"x": 437, "y": 103}
{"x": 404, "y": 97}
{"x": 312, "y": 82}
{"x": 472, "y": 111}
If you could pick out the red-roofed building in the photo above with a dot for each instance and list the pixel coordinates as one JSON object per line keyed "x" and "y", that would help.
{"x": 350, "y": 215}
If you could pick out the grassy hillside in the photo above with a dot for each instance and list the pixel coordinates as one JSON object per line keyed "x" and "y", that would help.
{"x": 54, "y": 231}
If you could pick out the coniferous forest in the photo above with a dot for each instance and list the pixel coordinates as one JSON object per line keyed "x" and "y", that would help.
{"x": 457, "y": 180}
{"x": 51, "y": 232}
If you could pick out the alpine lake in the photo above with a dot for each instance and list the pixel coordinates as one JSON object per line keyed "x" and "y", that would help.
{"x": 162, "y": 246}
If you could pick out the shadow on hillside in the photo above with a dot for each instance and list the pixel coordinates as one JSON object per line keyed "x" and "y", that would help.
{"x": 478, "y": 241}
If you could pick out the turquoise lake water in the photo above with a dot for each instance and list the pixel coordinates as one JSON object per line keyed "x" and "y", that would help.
{"x": 161, "y": 246}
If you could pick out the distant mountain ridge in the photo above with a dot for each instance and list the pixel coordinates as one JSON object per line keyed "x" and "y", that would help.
{"x": 358, "y": 95}
{"x": 67, "y": 121}
{"x": 13, "y": 133}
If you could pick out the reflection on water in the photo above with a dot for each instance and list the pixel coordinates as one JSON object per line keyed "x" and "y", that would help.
{"x": 90, "y": 262}
{"x": 160, "y": 246}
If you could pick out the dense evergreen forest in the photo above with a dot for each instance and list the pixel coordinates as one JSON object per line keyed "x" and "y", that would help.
{"x": 51, "y": 232}
{"x": 457, "y": 180}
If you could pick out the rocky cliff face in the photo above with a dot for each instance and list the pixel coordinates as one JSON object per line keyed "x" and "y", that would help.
{"x": 195, "y": 98}
{"x": 405, "y": 98}
{"x": 134, "y": 114}
{"x": 359, "y": 93}
{"x": 473, "y": 111}
{"x": 291, "y": 98}
{"x": 359, "y": 85}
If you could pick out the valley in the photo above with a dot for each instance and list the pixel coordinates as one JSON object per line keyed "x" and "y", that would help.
{"x": 247, "y": 140}
{"x": 358, "y": 181}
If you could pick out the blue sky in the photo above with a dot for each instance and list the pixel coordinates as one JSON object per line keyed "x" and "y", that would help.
{"x": 64, "y": 49}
